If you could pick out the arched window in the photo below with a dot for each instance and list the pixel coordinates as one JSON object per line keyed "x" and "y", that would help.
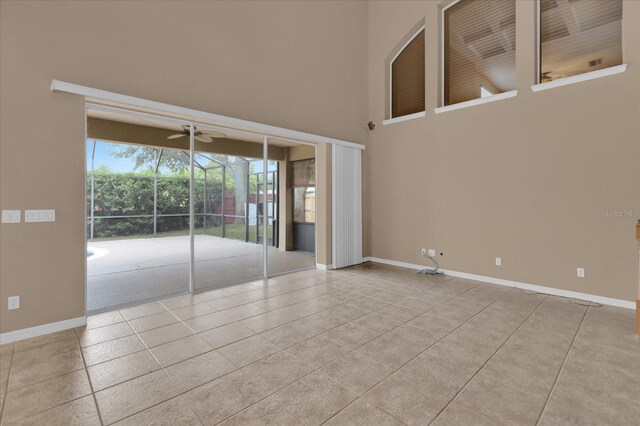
{"x": 406, "y": 75}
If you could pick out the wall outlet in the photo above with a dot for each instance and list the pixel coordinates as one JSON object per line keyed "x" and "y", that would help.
{"x": 14, "y": 302}
{"x": 432, "y": 252}
{"x": 423, "y": 251}
{"x": 498, "y": 261}
{"x": 580, "y": 272}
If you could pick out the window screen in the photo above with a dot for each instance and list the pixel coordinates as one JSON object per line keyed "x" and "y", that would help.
{"x": 479, "y": 49}
{"x": 407, "y": 78}
{"x": 578, "y": 36}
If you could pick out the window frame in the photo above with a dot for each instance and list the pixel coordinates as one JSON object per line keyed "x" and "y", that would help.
{"x": 443, "y": 9}
{"x": 442, "y": 107}
{"x": 590, "y": 75}
{"x": 412, "y": 36}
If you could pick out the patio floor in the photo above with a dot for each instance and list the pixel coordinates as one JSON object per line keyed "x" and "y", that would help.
{"x": 131, "y": 270}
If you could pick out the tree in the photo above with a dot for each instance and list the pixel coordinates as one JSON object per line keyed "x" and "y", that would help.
{"x": 147, "y": 158}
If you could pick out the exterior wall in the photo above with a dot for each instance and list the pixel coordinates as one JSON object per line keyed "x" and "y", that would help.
{"x": 271, "y": 62}
{"x": 529, "y": 179}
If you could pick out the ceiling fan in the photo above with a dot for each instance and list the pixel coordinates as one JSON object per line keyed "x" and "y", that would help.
{"x": 207, "y": 136}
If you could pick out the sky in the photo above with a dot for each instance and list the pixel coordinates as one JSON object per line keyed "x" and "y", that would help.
{"x": 103, "y": 157}
{"x": 124, "y": 165}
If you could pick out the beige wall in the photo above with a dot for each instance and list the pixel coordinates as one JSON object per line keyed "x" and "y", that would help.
{"x": 275, "y": 63}
{"x": 526, "y": 179}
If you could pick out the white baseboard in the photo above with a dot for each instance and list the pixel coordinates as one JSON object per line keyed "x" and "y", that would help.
{"x": 26, "y": 333}
{"x": 324, "y": 267}
{"x": 628, "y": 304}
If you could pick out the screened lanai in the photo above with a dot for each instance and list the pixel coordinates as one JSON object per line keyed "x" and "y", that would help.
{"x": 152, "y": 198}
{"x": 138, "y": 217}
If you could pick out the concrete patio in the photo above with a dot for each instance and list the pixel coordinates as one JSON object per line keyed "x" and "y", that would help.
{"x": 131, "y": 270}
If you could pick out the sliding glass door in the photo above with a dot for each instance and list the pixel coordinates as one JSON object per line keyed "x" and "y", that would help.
{"x": 176, "y": 207}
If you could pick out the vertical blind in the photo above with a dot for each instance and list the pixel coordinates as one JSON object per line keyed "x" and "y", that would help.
{"x": 407, "y": 79}
{"x": 579, "y": 36}
{"x": 479, "y": 49}
{"x": 347, "y": 206}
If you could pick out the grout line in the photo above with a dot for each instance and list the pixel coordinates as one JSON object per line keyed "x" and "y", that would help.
{"x": 42, "y": 359}
{"x": 489, "y": 359}
{"x": 85, "y": 368}
{"x": 315, "y": 370}
{"x": 564, "y": 362}
{"x": 86, "y": 371}
{"x": 282, "y": 350}
{"x": 427, "y": 348}
{"x": 6, "y": 386}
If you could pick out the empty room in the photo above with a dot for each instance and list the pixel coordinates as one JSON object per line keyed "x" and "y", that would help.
{"x": 320, "y": 212}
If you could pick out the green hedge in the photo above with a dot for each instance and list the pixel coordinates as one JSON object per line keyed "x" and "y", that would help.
{"x": 129, "y": 195}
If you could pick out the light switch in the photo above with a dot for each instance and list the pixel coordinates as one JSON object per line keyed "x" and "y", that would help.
{"x": 39, "y": 215}
{"x": 10, "y": 216}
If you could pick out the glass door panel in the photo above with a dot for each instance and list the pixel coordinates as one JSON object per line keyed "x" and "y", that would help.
{"x": 291, "y": 219}
{"x": 138, "y": 243}
{"x": 227, "y": 250}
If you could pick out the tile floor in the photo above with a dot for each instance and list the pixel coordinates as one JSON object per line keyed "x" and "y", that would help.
{"x": 364, "y": 346}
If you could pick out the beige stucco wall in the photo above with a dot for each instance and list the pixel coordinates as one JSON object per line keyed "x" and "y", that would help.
{"x": 526, "y": 179}
{"x": 273, "y": 62}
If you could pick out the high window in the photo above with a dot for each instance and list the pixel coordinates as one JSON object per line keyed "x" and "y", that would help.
{"x": 407, "y": 77}
{"x": 578, "y": 36}
{"x": 479, "y": 43}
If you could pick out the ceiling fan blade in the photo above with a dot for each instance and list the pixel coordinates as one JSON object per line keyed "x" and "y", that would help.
{"x": 176, "y": 136}
{"x": 214, "y": 134}
{"x": 203, "y": 138}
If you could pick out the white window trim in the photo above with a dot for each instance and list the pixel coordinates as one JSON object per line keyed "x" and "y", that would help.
{"x": 478, "y": 101}
{"x": 538, "y": 47}
{"x": 404, "y": 118}
{"x": 389, "y": 120}
{"x": 580, "y": 77}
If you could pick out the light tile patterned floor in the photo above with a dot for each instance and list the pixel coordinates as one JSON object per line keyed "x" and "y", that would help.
{"x": 363, "y": 346}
